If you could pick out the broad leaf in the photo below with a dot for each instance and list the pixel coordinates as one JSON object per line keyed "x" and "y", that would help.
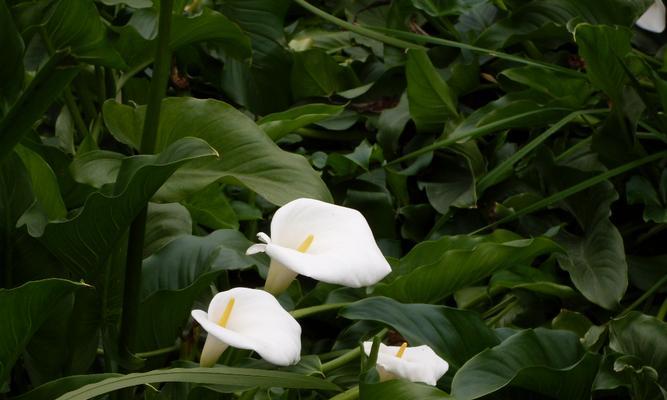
{"x": 84, "y": 241}
{"x": 431, "y": 101}
{"x": 398, "y": 389}
{"x": 434, "y": 270}
{"x": 549, "y": 362}
{"x": 280, "y": 124}
{"x": 25, "y": 308}
{"x": 58, "y": 387}
{"x": 457, "y": 335}
{"x": 164, "y": 223}
{"x": 248, "y": 155}
{"x": 240, "y": 377}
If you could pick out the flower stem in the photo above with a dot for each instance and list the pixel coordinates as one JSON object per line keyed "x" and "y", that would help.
{"x": 660, "y": 283}
{"x": 349, "y": 394}
{"x": 662, "y": 311}
{"x": 305, "y": 312}
{"x": 342, "y": 360}
{"x": 148, "y": 139}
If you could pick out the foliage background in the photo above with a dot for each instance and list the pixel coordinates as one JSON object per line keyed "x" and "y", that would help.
{"x": 508, "y": 155}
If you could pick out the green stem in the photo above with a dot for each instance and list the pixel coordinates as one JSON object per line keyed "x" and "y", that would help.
{"x": 660, "y": 283}
{"x": 662, "y": 311}
{"x": 493, "y": 310}
{"x": 349, "y": 394}
{"x": 160, "y": 352}
{"x": 148, "y": 140}
{"x": 340, "y": 361}
{"x": 575, "y": 189}
{"x": 490, "y": 178}
{"x": 356, "y": 28}
{"x": 305, "y": 312}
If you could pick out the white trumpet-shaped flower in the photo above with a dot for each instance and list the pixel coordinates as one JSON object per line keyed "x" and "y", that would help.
{"x": 416, "y": 364}
{"x": 249, "y": 319}
{"x": 323, "y": 241}
{"x": 654, "y": 18}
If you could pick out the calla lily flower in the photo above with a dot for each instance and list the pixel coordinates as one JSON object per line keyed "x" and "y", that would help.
{"x": 249, "y": 319}
{"x": 323, "y": 241}
{"x": 416, "y": 364}
{"x": 654, "y": 18}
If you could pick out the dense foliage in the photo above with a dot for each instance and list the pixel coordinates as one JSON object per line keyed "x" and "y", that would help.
{"x": 508, "y": 155}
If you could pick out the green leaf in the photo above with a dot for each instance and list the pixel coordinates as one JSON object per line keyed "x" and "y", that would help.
{"x": 643, "y": 337}
{"x": 440, "y": 8}
{"x": 568, "y": 90}
{"x": 242, "y": 377}
{"x": 431, "y": 101}
{"x": 11, "y": 46}
{"x": 532, "y": 279}
{"x": 457, "y": 335}
{"x": 77, "y": 25}
{"x": 248, "y": 155}
{"x": 282, "y": 123}
{"x": 84, "y": 241}
{"x": 547, "y": 19}
{"x": 129, "y": 3}
{"x": 164, "y": 223}
{"x": 316, "y": 74}
{"x": 58, "y": 387}
{"x": 603, "y": 48}
{"x": 549, "y": 362}
{"x": 43, "y": 90}
{"x": 178, "y": 274}
{"x": 433, "y": 270}
{"x": 639, "y": 190}
{"x": 211, "y": 208}
{"x": 452, "y": 185}
{"x": 25, "y": 308}
{"x": 398, "y": 389}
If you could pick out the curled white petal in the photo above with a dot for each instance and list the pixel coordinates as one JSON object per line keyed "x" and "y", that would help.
{"x": 342, "y": 249}
{"x": 257, "y": 322}
{"x": 417, "y": 364}
{"x": 654, "y": 18}
{"x": 256, "y": 248}
{"x": 263, "y": 237}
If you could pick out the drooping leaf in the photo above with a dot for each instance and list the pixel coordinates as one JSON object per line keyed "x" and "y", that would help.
{"x": 435, "y": 269}
{"x": 164, "y": 223}
{"x": 24, "y": 309}
{"x": 84, "y": 241}
{"x": 431, "y": 101}
{"x": 398, "y": 389}
{"x": 247, "y": 154}
{"x": 241, "y": 377}
{"x": 280, "y": 124}
{"x": 549, "y": 362}
{"x": 457, "y": 335}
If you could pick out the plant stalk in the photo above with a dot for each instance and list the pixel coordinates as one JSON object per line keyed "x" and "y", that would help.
{"x": 342, "y": 360}
{"x": 349, "y": 394}
{"x": 660, "y": 283}
{"x": 148, "y": 140}
{"x": 305, "y": 312}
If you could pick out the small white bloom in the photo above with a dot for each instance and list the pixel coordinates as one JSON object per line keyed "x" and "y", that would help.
{"x": 416, "y": 364}
{"x": 654, "y": 18}
{"x": 323, "y": 241}
{"x": 249, "y": 319}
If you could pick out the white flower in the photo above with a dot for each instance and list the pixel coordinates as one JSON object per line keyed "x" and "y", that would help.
{"x": 416, "y": 364}
{"x": 323, "y": 241}
{"x": 249, "y": 319}
{"x": 654, "y": 18}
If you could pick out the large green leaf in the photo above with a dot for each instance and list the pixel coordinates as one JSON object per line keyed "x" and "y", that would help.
{"x": 164, "y": 223}
{"x": 431, "y": 101}
{"x": 549, "y": 362}
{"x": 58, "y": 387}
{"x": 176, "y": 275}
{"x": 83, "y": 242}
{"x": 439, "y": 8}
{"x": 568, "y": 90}
{"x": 603, "y": 48}
{"x": 43, "y": 90}
{"x": 457, "y": 335}
{"x": 280, "y": 124}
{"x": 644, "y": 337}
{"x": 316, "y": 74}
{"x": 247, "y": 154}
{"x": 547, "y": 19}
{"x": 24, "y": 310}
{"x": 241, "y": 377}
{"x": 398, "y": 389}
{"x": 12, "y": 48}
{"x": 435, "y": 269}
{"x": 263, "y": 86}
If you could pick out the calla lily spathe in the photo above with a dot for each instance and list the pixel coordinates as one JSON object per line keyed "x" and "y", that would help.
{"x": 654, "y": 18}
{"x": 323, "y": 241}
{"x": 416, "y": 364}
{"x": 249, "y": 319}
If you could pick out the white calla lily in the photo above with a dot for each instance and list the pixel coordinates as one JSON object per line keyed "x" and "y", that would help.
{"x": 323, "y": 241}
{"x": 249, "y": 319}
{"x": 654, "y": 18}
{"x": 416, "y": 364}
